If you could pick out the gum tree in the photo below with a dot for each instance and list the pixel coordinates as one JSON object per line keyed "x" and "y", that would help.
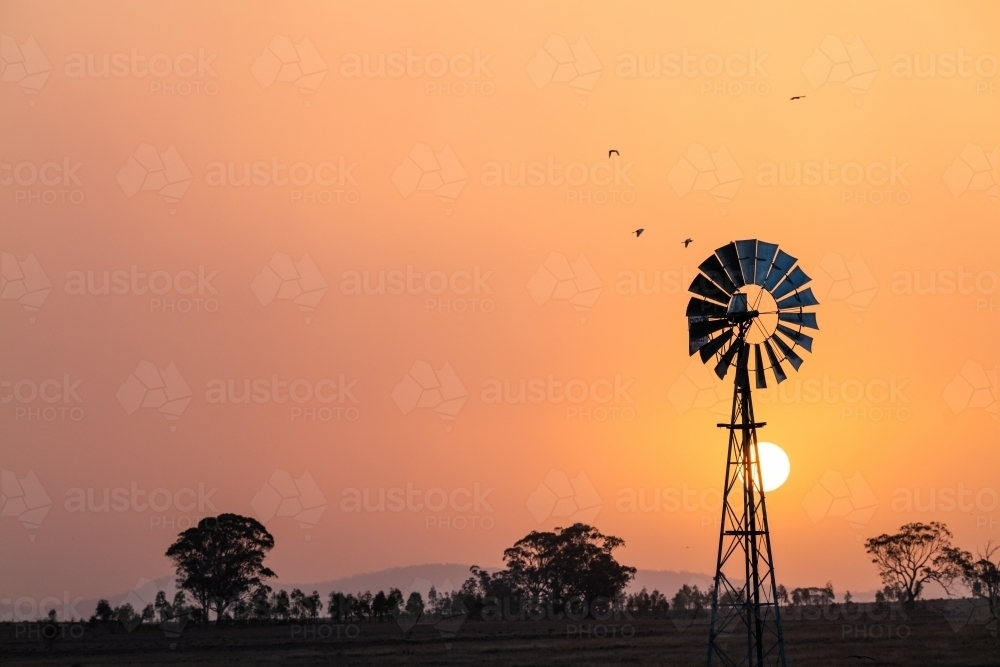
{"x": 221, "y": 560}
{"x": 915, "y": 556}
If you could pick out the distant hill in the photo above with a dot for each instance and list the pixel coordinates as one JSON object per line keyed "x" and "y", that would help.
{"x": 443, "y": 576}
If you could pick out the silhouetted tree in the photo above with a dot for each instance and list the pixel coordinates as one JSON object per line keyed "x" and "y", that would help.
{"x": 125, "y": 613}
{"x": 221, "y": 560}
{"x": 393, "y": 602}
{"x": 414, "y": 605}
{"x": 647, "y": 604}
{"x": 339, "y": 607}
{"x": 690, "y": 597}
{"x": 305, "y": 606}
{"x": 483, "y": 584}
{"x": 260, "y": 603}
{"x": 280, "y": 606}
{"x": 162, "y": 607}
{"x": 813, "y": 595}
{"x": 568, "y": 563}
{"x": 379, "y": 604}
{"x": 981, "y": 573}
{"x": 919, "y": 553}
{"x": 103, "y": 612}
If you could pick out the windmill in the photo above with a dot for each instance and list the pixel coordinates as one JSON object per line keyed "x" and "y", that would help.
{"x": 748, "y": 313}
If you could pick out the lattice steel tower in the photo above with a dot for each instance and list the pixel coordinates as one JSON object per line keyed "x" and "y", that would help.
{"x": 745, "y": 296}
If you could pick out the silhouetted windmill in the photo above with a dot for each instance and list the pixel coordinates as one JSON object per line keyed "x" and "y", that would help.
{"x": 746, "y": 295}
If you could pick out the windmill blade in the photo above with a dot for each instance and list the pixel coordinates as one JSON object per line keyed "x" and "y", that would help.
{"x": 779, "y": 372}
{"x": 794, "y": 359}
{"x": 759, "y": 368}
{"x": 702, "y": 286}
{"x": 712, "y": 268}
{"x": 700, "y": 329}
{"x": 765, "y": 255}
{"x": 782, "y": 263}
{"x": 747, "y": 252}
{"x": 722, "y": 367}
{"x": 800, "y": 338}
{"x": 704, "y": 309}
{"x": 802, "y": 319}
{"x": 713, "y": 346}
{"x": 794, "y": 280}
{"x": 696, "y": 344}
{"x": 799, "y": 300}
{"x": 731, "y": 263}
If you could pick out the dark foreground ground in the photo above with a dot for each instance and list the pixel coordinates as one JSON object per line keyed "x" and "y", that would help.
{"x": 932, "y": 634}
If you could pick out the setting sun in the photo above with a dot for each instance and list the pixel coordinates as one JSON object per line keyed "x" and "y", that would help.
{"x": 774, "y": 465}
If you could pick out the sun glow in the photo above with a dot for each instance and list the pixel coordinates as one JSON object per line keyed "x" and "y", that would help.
{"x": 774, "y": 465}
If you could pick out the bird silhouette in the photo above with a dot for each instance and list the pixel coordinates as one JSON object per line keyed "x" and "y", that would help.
{"x": 687, "y": 242}
{"x": 639, "y": 232}
{"x": 797, "y": 97}
{"x": 613, "y": 151}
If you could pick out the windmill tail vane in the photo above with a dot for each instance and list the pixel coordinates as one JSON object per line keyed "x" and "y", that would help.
{"x": 748, "y": 311}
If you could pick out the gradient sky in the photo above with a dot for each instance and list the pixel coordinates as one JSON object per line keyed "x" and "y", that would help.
{"x": 899, "y": 229}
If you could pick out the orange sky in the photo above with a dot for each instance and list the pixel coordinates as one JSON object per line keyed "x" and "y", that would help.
{"x": 405, "y": 173}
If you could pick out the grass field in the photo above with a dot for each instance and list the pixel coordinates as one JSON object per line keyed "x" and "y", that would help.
{"x": 921, "y": 636}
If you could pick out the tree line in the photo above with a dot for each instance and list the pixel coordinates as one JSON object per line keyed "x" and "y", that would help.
{"x": 566, "y": 572}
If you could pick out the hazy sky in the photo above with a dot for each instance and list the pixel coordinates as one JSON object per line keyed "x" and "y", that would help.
{"x": 375, "y": 223}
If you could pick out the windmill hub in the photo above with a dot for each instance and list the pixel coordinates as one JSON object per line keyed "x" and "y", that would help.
{"x": 754, "y": 304}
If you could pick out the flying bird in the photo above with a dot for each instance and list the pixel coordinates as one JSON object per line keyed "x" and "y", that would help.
{"x": 639, "y": 232}
{"x": 687, "y": 242}
{"x": 797, "y": 97}
{"x": 613, "y": 151}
